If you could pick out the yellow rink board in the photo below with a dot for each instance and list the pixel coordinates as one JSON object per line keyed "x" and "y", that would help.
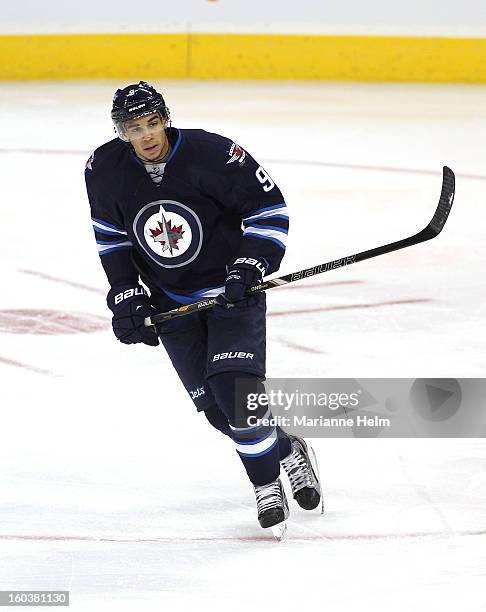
{"x": 243, "y": 56}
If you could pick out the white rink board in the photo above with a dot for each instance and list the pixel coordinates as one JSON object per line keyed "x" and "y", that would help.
{"x": 415, "y": 17}
{"x": 114, "y": 488}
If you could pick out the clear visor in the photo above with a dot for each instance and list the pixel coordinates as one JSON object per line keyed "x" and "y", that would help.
{"x": 144, "y": 126}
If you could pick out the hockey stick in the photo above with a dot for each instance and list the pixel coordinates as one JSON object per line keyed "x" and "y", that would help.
{"x": 432, "y": 230}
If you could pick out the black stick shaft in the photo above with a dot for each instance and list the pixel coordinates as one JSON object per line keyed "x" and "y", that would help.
{"x": 430, "y": 231}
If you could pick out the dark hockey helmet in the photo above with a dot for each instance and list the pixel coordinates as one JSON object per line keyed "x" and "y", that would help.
{"x": 135, "y": 101}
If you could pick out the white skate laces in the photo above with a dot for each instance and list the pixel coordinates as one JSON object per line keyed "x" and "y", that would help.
{"x": 269, "y": 496}
{"x": 298, "y": 470}
{"x": 272, "y": 507}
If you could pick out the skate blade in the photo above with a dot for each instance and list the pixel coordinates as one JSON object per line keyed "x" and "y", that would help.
{"x": 315, "y": 467}
{"x": 279, "y": 531}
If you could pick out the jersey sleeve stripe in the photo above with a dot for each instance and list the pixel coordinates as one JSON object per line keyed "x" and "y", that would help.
{"x": 278, "y": 209}
{"x": 267, "y": 227}
{"x": 106, "y": 228}
{"x": 279, "y": 220}
{"x": 275, "y": 236}
{"x": 108, "y": 247}
{"x": 269, "y": 217}
{"x": 113, "y": 242}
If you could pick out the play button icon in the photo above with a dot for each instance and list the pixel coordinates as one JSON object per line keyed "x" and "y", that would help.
{"x": 436, "y": 399}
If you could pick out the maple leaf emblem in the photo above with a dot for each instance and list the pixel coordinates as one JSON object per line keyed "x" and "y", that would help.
{"x": 167, "y": 235}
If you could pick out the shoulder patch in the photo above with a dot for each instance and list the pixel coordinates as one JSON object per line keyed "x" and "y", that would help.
{"x": 90, "y": 161}
{"x": 236, "y": 154}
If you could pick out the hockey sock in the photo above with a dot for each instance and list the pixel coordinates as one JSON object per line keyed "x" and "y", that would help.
{"x": 284, "y": 444}
{"x": 257, "y": 446}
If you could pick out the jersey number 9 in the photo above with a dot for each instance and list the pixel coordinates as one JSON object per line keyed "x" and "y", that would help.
{"x": 265, "y": 179}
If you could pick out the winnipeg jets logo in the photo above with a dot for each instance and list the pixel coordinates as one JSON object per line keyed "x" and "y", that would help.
{"x": 169, "y": 232}
{"x": 168, "y": 235}
{"x": 236, "y": 154}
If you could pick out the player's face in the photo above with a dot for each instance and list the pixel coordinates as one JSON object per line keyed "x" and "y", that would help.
{"x": 147, "y": 136}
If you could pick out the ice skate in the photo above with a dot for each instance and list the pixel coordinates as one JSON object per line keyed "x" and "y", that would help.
{"x": 272, "y": 507}
{"x": 302, "y": 471}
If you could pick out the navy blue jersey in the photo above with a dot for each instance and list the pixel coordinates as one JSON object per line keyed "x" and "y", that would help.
{"x": 214, "y": 203}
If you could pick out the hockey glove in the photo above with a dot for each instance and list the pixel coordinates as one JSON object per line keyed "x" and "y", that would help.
{"x": 130, "y": 306}
{"x": 243, "y": 273}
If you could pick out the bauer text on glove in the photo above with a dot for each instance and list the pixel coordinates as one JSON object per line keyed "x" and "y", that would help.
{"x": 130, "y": 307}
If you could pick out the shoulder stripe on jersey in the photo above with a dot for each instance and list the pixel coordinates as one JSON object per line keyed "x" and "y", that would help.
{"x": 279, "y": 209}
{"x": 278, "y": 237}
{"x": 106, "y": 228}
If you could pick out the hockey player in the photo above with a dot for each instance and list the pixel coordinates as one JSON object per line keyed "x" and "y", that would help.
{"x": 191, "y": 214}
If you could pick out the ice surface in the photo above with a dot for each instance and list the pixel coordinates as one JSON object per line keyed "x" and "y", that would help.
{"x": 113, "y": 487}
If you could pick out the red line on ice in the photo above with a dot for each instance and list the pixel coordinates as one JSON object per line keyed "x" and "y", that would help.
{"x": 64, "y": 281}
{"x": 47, "y": 322}
{"x": 300, "y": 347}
{"x": 285, "y": 313}
{"x": 25, "y": 366}
{"x": 323, "y": 284}
{"x": 392, "y": 169}
{"x": 44, "y": 151}
{"x": 293, "y": 162}
{"x": 262, "y": 538}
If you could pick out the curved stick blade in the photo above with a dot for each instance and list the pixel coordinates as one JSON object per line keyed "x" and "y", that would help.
{"x": 445, "y": 202}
